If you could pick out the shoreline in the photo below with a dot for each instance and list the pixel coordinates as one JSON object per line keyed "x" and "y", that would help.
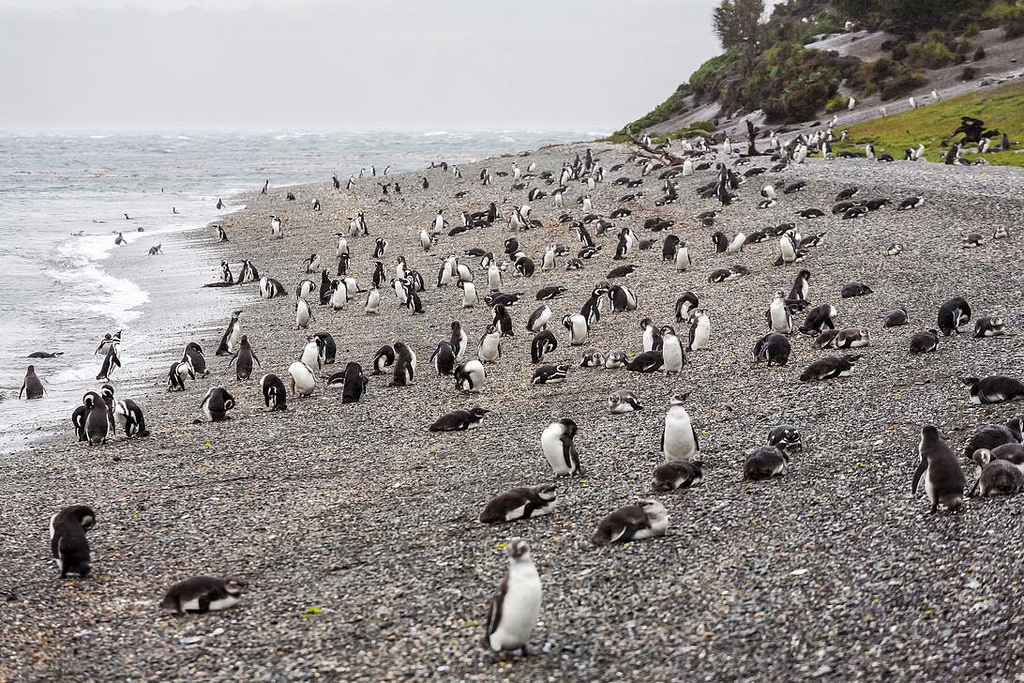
{"x": 358, "y": 511}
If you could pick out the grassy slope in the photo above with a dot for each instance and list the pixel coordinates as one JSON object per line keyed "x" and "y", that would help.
{"x": 999, "y": 107}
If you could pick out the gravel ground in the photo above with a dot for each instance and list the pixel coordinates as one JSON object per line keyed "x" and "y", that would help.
{"x": 356, "y": 529}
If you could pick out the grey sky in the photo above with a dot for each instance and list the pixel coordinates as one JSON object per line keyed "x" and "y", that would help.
{"x": 549, "y": 64}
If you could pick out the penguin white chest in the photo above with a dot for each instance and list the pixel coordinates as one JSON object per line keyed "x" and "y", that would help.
{"x": 672, "y": 353}
{"x": 215, "y": 605}
{"x": 679, "y": 443}
{"x": 555, "y": 450}
{"x": 519, "y": 610}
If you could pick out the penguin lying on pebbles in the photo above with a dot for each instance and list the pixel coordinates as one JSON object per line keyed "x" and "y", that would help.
{"x": 458, "y": 420}
{"x": 895, "y": 318}
{"x": 943, "y": 477}
{"x": 678, "y": 474}
{"x": 764, "y": 463}
{"x": 924, "y": 341}
{"x": 991, "y": 436}
{"x": 647, "y": 518}
{"x": 202, "y": 594}
{"x": 829, "y": 367}
{"x": 623, "y": 401}
{"x": 515, "y": 606}
{"x": 996, "y": 477}
{"x": 519, "y": 503}
{"x": 994, "y": 389}
{"x": 67, "y": 539}
{"x": 786, "y": 438}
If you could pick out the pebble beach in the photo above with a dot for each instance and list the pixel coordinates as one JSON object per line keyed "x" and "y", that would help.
{"x": 356, "y": 529}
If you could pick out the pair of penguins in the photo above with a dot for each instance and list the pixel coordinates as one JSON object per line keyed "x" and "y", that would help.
{"x": 99, "y": 415}
{"x": 70, "y": 549}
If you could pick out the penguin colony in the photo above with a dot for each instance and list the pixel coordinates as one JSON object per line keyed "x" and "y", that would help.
{"x": 497, "y": 324}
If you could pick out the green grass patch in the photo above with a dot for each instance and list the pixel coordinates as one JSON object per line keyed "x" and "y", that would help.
{"x": 933, "y": 124}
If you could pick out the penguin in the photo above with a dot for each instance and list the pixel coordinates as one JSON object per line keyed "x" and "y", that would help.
{"x": 895, "y": 318}
{"x": 538, "y": 320}
{"x": 443, "y": 358}
{"x": 372, "y": 301}
{"x": 542, "y": 343}
{"x": 648, "y": 361}
{"x": 681, "y": 259}
{"x": 852, "y": 289}
{"x": 774, "y": 347}
{"x": 179, "y": 372}
{"x": 851, "y": 338}
{"x": 994, "y": 389}
{"x": 925, "y": 341}
{"x": 222, "y": 234}
{"x": 459, "y": 420}
{"x": 623, "y": 298}
{"x": 943, "y": 478}
{"x": 652, "y": 340}
{"x": 128, "y": 415}
{"x": 672, "y": 355}
{"x": 550, "y": 374}
{"x": 243, "y": 358}
{"x": 329, "y": 347}
{"x": 45, "y": 354}
{"x": 384, "y": 358}
{"x": 953, "y": 314}
{"x": 405, "y": 365}
{"x": 31, "y": 386}
{"x": 700, "y": 330}
{"x": 989, "y": 326}
{"x": 154, "y": 250}
{"x": 788, "y": 252}
{"x": 800, "y": 287}
{"x": 193, "y": 353}
{"x": 303, "y": 314}
{"x": 202, "y": 594}
{"x": 274, "y": 395}
{"x": 829, "y": 367}
{"x": 684, "y": 305}
{"x": 303, "y": 380}
{"x": 645, "y": 519}
{"x": 547, "y": 293}
{"x": 578, "y": 328}
{"x": 503, "y": 321}
{"x": 490, "y": 345}
{"x": 519, "y": 503}
{"x": 720, "y": 241}
{"x": 996, "y": 477}
{"x": 380, "y": 248}
{"x": 217, "y": 403}
{"x": 623, "y": 401}
{"x": 819, "y": 318}
{"x": 232, "y": 335}
{"x": 354, "y": 384}
{"x": 615, "y": 359}
{"x": 678, "y": 437}
{"x": 592, "y": 358}
{"x": 459, "y": 341}
{"x": 97, "y": 420}
{"x": 910, "y": 203}
{"x": 269, "y": 288}
{"x": 557, "y": 444}
{"x": 107, "y": 341}
{"x": 469, "y": 296}
{"x": 992, "y": 437}
{"x": 515, "y": 607}
{"x": 68, "y": 543}
{"x": 111, "y": 362}
{"x": 338, "y": 298}
{"x": 469, "y": 376}
{"x": 764, "y": 463}
{"x": 276, "y": 228}
{"x": 786, "y": 438}
{"x": 678, "y": 474}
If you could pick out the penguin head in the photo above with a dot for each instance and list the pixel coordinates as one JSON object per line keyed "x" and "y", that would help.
{"x": 680, "y": 397}
{"x": 518, "y": 550}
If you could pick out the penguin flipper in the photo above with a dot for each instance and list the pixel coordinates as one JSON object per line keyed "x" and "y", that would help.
{"x": 494, "y": 612}
{"x": 626, "y": 534}
{"x": 921, "y": 469}
{"x": 696, "y": 443}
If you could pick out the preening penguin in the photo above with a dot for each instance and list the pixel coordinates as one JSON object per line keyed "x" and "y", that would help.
{"x": 232, "y": 335}
{"x": 355, "y": 383}
{"x": 678, "y": 437}
{"x": 405, "y": 365}
{"x": 274, "y": 395}
{"x": 469, "y": 376}
{"x": 443, "y": 358}
{"x": 678, "y": 474}
{"x": 771, "y": 348}
{"x": 459, "y": 420}
{"x": 557, "y": 443}
{"x": 303, "y": 380}
{"x": 925, "y": 341}
{"x": 542, "y": 343}
{"x": 943, "y": 478}
{"x": 519, "y": 503}
{"x": 578, "y": 328}
{"x": 194, "y": 354}
{"x": 329, "y": 349}
{"x": 384, "y": 358}
{"x": 645, "y": 519}
{"x": 515, "y": 606}
{"x": 128, "y": 415}
{"x": 953, "y": 314}
{"x": 217, "y": 403}
{"x": 786, "y": 438}
{"x": 97, "y": 420}
{"x": 202, "y": 594}
{"x": 68, "y": 543}
{"x": 623, "y": 401}
{"x": 303, "y": 314}
{"x": 269, "y": 288}
{"x": 996, "y": 477}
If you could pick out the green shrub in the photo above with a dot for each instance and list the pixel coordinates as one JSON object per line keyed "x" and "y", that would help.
{"x": 837, "y": 103}
{"x": 901, "y": 85}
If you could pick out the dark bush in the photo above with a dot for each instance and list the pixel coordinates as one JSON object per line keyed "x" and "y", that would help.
{"x": 979, "y": 54}
{"x": 902, "y": 84}
{"x": 968, "y": 74}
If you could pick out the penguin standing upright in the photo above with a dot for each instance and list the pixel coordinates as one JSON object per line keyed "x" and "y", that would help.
{"x": 943, "y": 477}
{"x": 672, "y": 354}
{"x": 443, "y": 358}
{"x": 97, "y": 421}
{"x": 68, "y": 543}
{"x": 111, "y": 361}
{"x": 700, "y": 330}
{"x": 778, "y": 316}
{"x": 490, "y": 345}
{"x": 458, "y": 341}
{"x": 243, "y": 359}
{"x": 32, "y": 387}
{"x": 516, "y": 605}
{"x": 679, "y": 438}
{"x": 232, "y": 335}
{"x": 194, "y": 354}
{"x": 303, "y": 380}
{"x": 557, "y": 443}
{"x": 405, "y": 365}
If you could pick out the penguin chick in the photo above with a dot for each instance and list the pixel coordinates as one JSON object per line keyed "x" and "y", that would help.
{"x": 516, "y": 604}
{"x": 519, "y": 503}
{"x": 678, "y": 474}
{"x": 202, "y": 594}
{"x": 943, "y": 477}
{"x": 645, "y": 519}
{"x": 764, "y": 463}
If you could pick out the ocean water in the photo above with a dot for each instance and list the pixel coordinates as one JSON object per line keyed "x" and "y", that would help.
{"x": 64, "y": 197}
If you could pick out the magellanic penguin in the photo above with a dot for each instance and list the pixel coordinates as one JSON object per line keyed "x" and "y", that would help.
{"x": 623, "y": 401}
{"x": 994, "y": 389}
{"x": 645, "y": 519}
{"x": 996, "y": 477}
{"x": 106, "y": 342}
{"x": 672, "y": 355}
{"x": 111, "y": 362}
{"x": 97, "y": 419}
{"x": 194, "y": 354}
{"x": 232, "y": 335}
{"x": 829, "y": 367}
{"x": 269, "y": 289}
{"x": 578, "y": 328}
{"x": 32, "y": 387}
{"x": 405, "y": 365}
{"x": 989, "y": 326}
{"x": 243, "y": 358}
{"x": 550, "y": 374}
{"x": 469, "y": 376}
{"x": 542, "y": 343}
{"x": 925, "y": 341}
{"x": 700, "y": 330}
{"x": 764, "y": 463}
{"x": 303, "y": 380}
{"x": 943, "y": 478}
{"x": 678, "y": 437}
{"x": 774, "y": 347}
{"x": 516, "y": 605}
{"x": 303, "y": 314}
{"x": 274, "y": 394}
{"x": 895, "y": 318}
{"x": 179, "y": 372}
{"x": 778, "y": 316}
{"x": 648, "y": 361}
{"x": 202, "y": 594}
{"x": 355, "y": 383}
{"x": 557, "y": 443}
{"x": 786, "y": 438}
{"x": 443, "y": 358}
{"x": 953, "y": 314}
{"x": 818, "y": 318}
{"x": 459, "y": 420}
{"x": 678, "y": 474}
{"x": 490, "y": 345}
{"x": 384, "y": 358}
{"x": 67, "y": 539}
{"x": 519, "y": 503}
{"x": 128, "y": 415}
{"x": 217, "y": 403}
